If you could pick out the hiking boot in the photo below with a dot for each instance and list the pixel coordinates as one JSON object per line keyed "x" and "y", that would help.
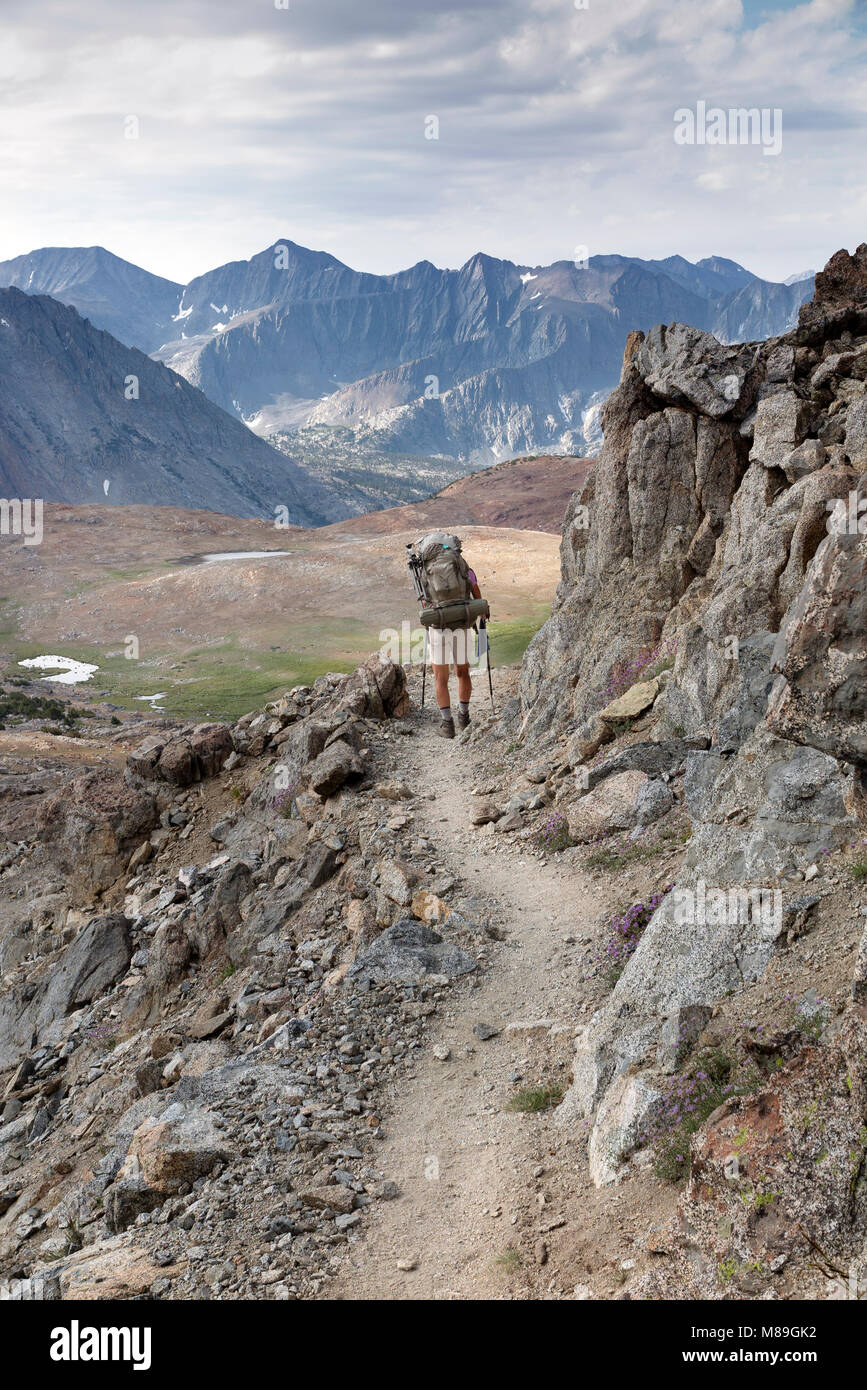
{"x": 446, "y": 728}
{"x": 462, "y": 720}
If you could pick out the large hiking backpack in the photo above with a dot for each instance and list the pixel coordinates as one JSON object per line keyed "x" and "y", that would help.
{"x": 446, "y": 573}
{"x": 445, "y": 578}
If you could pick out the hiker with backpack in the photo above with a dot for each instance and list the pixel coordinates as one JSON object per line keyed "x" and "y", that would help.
{"x": 450, "y": 606}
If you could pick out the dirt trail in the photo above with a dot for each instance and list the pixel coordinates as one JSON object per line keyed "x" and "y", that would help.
{"x": 474, "y": 1179}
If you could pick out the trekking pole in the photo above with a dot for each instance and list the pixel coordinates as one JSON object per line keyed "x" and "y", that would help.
{"x": 414, "y": 564}
{"x": 424, "y": 669}
{"x": 483, "y": 627}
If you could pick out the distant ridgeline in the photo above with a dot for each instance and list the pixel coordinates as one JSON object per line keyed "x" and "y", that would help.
{"x": 476, "y": 364}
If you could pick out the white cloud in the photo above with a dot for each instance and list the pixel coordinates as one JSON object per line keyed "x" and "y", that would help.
{"x": 257, "y": 123}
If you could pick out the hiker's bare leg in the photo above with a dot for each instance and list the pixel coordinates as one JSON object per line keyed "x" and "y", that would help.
{"x": 446, "y": 723}
{"x": 465, "y": 685}
{"x": 441, "y": 680}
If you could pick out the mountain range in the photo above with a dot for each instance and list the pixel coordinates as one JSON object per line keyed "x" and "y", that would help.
{"x": 476, "y": 364}
{"x": 84, "y": 418}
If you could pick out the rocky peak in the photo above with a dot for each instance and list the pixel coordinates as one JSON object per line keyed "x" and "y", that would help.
{"x": 839, "y": 300}
{"x": 85, "y": 419}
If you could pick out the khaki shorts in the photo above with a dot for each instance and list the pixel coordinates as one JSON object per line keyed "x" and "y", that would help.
{"x": 447, "y": 646}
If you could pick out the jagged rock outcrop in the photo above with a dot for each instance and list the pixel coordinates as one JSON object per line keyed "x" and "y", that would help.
{"x": 774, "y": 1174}
{"x": 376, "y": 690}
{"x": 410, "y": 950}
{"x": 821, "y": 653}
{"x": 689, "y": 512}
{"x": 179, "y": 759}
{"x": 89, "y": 830}
{"x": 721, "y": 535}
{"x": 798, "y": 1147}
{"x": 839, "y": 298}
{"x": 166, "y": 1154}
{"x": 98, "y": 956}
{"x": 613, "y": 805}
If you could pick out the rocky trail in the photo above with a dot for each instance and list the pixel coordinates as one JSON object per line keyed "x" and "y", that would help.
{"x": 456, "y": 1158}
{"x": 477, "y": 1208}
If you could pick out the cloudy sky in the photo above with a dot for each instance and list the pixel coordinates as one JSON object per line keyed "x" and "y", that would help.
{"x": 259, "y": 120}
